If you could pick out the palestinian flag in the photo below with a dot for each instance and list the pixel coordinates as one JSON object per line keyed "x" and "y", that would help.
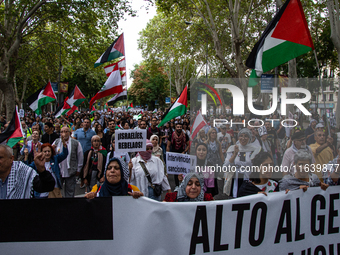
{"x": 118, "y": 97}
{"x": 137, "y": 117}
{"x": 41, "y": 98}
{"x": 102, "y": 150}
{"x": 178, "y": 108}
{"x": 63, "y": 109}
{"x": 286, "y": 37}
{"x": 115, "y": 50}
{"x": 93, "y": 110}
{"x": 76, "y": 97}
{"x": 72, "y": 110}
{"x": 198, "y": 124}
{"x": 13, "y": 133}
{"x": 119, "y": 127}
{"x": 112, "y": 85}
{"x": 130, "y": 106}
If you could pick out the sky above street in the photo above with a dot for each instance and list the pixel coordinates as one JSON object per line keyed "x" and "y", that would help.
{"x": 131, "y": 27}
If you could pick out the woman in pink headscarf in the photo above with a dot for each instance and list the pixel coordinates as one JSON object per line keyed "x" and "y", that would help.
{"x": 147, "y": 173}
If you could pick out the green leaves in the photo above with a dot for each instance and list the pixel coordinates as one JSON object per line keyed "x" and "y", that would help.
{"x": 150, "y": 84}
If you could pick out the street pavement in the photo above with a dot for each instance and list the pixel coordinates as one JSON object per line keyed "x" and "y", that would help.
{"x": 81, "y": 192}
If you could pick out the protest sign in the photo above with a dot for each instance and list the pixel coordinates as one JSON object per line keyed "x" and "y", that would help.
{"x": 130, "y": 140}
{"x": 178, "y": 163}
{"x": 22, "y": 113}
{"x": 291, "y": 224}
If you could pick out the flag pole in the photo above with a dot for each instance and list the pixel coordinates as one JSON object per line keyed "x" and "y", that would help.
{"x": 323, "y": 98}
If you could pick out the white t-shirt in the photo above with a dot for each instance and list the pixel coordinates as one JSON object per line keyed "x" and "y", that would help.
{"x": 220, "y": 136}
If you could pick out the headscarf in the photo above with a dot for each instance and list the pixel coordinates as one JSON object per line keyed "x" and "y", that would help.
{"x": 146, "y": 155}
{"x": 248, "y": 147}
{"x": 155, "y": 148}
{"x": 182, "y": 195}
{"x": 118, "y": 189}
{"x": 247, "y": 132}
{"x": 242, "y": 148}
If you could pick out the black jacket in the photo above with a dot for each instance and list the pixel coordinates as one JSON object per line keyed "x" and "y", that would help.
{"x": 46, "y": 138}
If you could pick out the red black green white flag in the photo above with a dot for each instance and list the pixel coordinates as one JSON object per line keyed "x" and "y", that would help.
{"x": 41, "y": 97}
{"x": 286, "y": 37}
{"x": 63, "y": 109}
{"x": 178, "y": 108}
{"x": 114, "y": 51}
{"x": 130, "y": 106}
{"x": 72, "y": 110}
{"x": 76, "y": 97}
{"x": 13, "y": 133}
{"x": 93, "y": 110}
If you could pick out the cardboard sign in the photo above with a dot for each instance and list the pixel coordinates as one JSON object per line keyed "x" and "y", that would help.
{"x": 130, "y": 140}
{"x": 177, "y": 163}
{"x": 22, "y": 113}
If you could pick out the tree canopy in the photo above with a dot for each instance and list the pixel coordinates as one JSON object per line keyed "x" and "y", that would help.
{"x": 36, "y": 36}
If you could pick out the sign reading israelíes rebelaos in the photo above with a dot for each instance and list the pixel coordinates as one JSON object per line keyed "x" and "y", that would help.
{"x": 130, "y": 140}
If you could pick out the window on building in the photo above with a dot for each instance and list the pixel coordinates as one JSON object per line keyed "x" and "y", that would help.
{"x": 313, "y": 97}
{"x": 324, "y": 97}
{"x": 330, "y": 97}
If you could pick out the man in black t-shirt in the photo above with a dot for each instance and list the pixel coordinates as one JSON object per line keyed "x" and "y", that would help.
{"x": 50, "y": 136}
{"x": 153, "y": 130}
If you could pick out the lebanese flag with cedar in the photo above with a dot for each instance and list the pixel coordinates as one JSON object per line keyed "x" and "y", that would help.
{"x": 112, "y": 86}
{"x": 198, "y": 124}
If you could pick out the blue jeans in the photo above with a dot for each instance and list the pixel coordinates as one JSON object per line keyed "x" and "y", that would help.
{"x": 152, "y": 195}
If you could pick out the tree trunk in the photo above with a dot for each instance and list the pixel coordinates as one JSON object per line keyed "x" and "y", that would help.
{"x": 9, "y": 100}
{"x": 292, "y": 75}
{"x": 219, "y": 91}
{"x": 2, "y": 98}
{"x": 333, "y": 10}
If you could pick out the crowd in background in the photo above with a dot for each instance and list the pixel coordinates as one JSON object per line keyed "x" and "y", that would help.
{"x": 80, "y": 149}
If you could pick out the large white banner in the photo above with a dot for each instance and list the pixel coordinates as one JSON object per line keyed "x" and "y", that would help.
{"x": 178, "y": 163}
{"x": 130, "y": 140}
{"x": 294, "y": 223}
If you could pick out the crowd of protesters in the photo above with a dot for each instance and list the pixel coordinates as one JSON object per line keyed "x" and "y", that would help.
{"x": 233, "y": 160}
